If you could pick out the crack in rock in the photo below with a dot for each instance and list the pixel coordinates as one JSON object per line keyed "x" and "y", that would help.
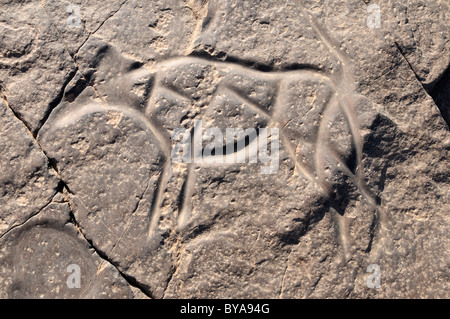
{"x": 129, "y": 279}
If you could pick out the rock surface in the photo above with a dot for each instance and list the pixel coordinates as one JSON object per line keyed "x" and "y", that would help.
{"x": 348, "y": 199}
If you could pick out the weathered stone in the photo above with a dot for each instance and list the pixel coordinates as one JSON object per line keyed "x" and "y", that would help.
{"x": 76, "y": 21}
{"x": 39, "y": 257}
{"x": 421, "y": 31}
{"x": 357, "y": 110}
{"x": 27, "y": 183}
{"x": 112, "y": 163}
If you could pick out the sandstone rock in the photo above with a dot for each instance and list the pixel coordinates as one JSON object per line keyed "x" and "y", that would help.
{"x": 27, "y": 181}
{"x": 353, "y": 179}
{"x": 35, "y": 66}
{"x": 39, "y": 257}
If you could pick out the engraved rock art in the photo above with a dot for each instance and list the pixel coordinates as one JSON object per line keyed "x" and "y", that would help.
{"x": 182, "y": 90}
{"x": 361, "y": 172}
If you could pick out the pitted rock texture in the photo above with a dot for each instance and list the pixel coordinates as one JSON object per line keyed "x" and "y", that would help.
{"x": 355, "y": 171}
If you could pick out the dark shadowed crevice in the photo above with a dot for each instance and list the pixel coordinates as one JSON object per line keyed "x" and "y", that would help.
{"x": 439, "y": 90}
{"x": 441, "y": 95}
